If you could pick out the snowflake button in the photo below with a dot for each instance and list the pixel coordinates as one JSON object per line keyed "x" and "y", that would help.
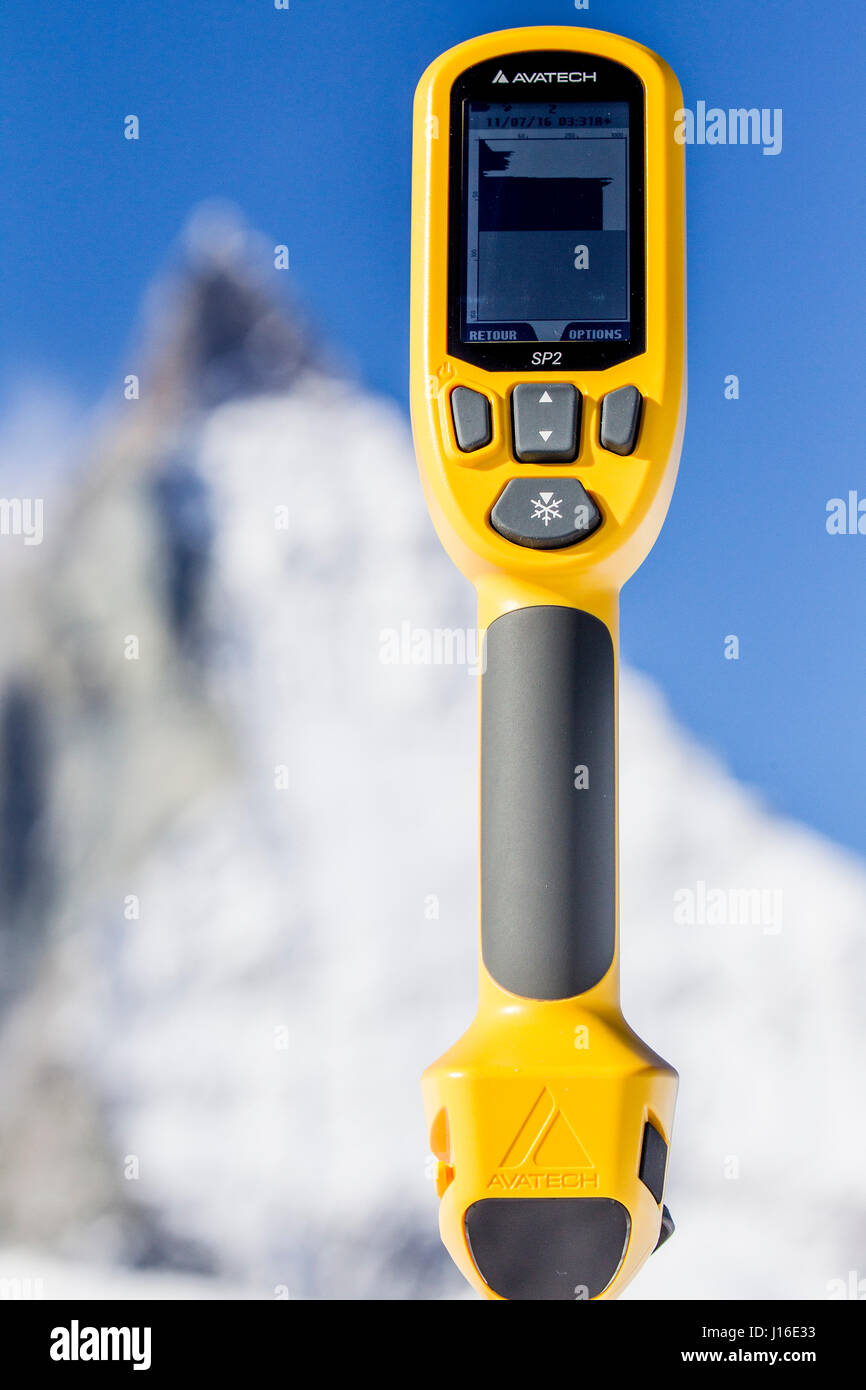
{"x": 545, "y": 513}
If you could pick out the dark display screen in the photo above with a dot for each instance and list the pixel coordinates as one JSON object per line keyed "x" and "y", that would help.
{"x": 545, "y": 222}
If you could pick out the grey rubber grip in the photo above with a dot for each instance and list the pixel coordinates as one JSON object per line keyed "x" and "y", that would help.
{"x": 548, "y": 822}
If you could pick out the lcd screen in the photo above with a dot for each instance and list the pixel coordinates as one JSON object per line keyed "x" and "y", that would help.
{"x": 546, "y": 222}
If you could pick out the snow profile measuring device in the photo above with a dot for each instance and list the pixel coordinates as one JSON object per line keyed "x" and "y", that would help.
{"x": 548, "y": 406}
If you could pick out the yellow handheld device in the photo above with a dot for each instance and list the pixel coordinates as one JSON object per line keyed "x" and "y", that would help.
{"x": 548, "y": 405}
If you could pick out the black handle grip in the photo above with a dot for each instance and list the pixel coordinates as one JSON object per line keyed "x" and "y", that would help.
{"x": 548, "y": 810}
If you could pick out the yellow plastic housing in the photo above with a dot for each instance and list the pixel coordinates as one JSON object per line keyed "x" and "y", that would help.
{"x": 570, "y": 1068}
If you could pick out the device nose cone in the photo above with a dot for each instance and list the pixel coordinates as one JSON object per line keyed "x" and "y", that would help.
{"x": 542, "y": 1248}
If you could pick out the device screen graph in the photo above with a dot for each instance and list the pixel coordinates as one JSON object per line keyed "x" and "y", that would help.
{"x": 546, "y": 233}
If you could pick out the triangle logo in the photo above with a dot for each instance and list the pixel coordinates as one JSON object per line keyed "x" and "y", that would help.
{"x": 500, "y": 77}
{"x": 546, "y": 1139}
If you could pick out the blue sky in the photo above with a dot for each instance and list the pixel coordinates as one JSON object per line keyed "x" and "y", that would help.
{"x": 303, "y": 119}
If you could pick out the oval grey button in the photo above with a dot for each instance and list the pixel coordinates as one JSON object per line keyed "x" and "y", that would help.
{"x": 470, "y": 412}
{"x": 545, "y": 513}
{"x": 620, "y": 418}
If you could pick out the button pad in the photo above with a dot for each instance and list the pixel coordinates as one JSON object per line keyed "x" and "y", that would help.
{"x": 545, "y": 513}
{"x": 546, "y": 418}
{"x": 620, "y": 420}
{"x": 470, "y": 411}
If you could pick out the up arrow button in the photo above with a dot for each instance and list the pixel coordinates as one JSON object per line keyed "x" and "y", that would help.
{"x": 546, "y": 421}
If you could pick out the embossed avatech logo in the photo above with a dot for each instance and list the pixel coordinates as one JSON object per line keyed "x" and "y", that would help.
{"x": 545, "y": 1153}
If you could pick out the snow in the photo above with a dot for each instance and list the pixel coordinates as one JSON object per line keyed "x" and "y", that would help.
{"x": 32, "y": 1275}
